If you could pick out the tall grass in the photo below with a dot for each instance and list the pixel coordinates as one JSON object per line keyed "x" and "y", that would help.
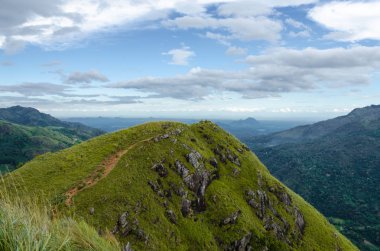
{"x": 26, "y": 225}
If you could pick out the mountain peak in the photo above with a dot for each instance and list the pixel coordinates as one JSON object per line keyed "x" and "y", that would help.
{"x": 172, "y": 186}
{"x": 372, "y": 110}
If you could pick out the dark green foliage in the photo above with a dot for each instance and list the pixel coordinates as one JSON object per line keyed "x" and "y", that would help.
{"x": 141, "y": 200}
{"x": 334, "y": 165}
{"x": 26, "y": 133}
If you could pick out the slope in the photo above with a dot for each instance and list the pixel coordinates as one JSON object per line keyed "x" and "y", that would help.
{"x": 26, "y": 133}
{"x": 300, "y": 134}
{"x": 337, "y": 171}
{"x": 32, "y": 117}
{"x": 166, "y": 186}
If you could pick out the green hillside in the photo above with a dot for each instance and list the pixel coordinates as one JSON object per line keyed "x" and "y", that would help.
{"x": 334, "y": 165}
{"x": 26, "y": 133}
{"x": 169, "y": 186}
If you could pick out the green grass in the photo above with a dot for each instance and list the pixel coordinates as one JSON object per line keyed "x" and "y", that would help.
{"x": 26, "y": 224}
{"x": 19, "y": 143}
{"x": 126, "y": 189}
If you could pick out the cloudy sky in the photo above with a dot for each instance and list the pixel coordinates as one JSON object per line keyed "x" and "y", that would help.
{"x": 198, "y": 58}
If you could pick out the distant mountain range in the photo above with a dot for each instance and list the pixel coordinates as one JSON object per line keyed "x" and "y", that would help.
{"x": 244, "y": 129}
{"x": 26, "y": 133}
{"x": 335, "y": 165}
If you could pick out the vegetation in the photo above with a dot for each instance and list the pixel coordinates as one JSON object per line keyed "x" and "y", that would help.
{"x": 334, "y": 165}
{"x": 134, "y": 182}
{"x": 26, "y": 133}
{"x": 28, "y": 225}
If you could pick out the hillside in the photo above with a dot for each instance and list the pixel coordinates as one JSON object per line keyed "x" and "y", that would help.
{"x": 26, "y": 133}
{"x": 299, "y": 134}
{"x": 335, "y": 165}
{"x": 170, "y": 186}
{"x": 32, "y": 117}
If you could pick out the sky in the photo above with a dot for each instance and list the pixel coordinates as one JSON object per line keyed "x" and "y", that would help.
{"x": 271, "y": 59}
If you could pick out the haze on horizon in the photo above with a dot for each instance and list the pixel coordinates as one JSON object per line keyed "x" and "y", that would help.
{"x": 190, "y": 59}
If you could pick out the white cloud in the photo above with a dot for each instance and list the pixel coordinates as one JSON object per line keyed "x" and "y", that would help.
{"x": 236, "y": 51}
{"x": 242, "y": 28}
{"x": 180, "y": 56}
{"x": 86, "y": 77}
{"x": 59, "y": 23}
{"x": 349, "y": 20}
{"x": 301, "y": 34}
{"x": 278, "y": 71}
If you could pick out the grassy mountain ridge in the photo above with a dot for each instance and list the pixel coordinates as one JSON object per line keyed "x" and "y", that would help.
{"x": 336, "y": 170}
{"x": 163, "y": 186}
{"x": 26, "y": 133}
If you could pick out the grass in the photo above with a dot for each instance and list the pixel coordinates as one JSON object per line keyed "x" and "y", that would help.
{"x": 19, "y": 143}
{"x": 26, "y": 224}
{"x": 126, "y": 189}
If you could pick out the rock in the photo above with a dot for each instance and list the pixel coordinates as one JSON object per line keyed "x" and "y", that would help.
{"x": 231, "y": 219}
{"x": 171, "y": 216}
{"x": 161, "y": 170}
{"x": 300, "y": 221}
{"x": 155, "y": 187}
{"x": 128, "y": 247}
{"x": 168, "y": 193}
{"x": 220, "y": 154}
{"x": 181, "y": 169}
{"x": 258, "y": 201}
{"x": 263, "y": 199}
{"x": 285, "y": 198}
{"x": 235, "y": 172}
{"x": 198, "y": 183}
{"x": 242, "y": 244}
{"x": 281, "y": 195}
{"x": 92, "y": 211}
{"x": 186, "y": 207}
{"x": 161, "y": 137}
{"x": 140, "y": 234}
{"x": 123, "y": 225}
{"x": 123, "y": 220}
{"x": 233, "y": 158}
{"x": 271, "y": 225}
{"x": 251, "y": 193}
{"x": 194, "y": 158}
{"x": 214, "y": 162}
{"x": 176, "y": 132}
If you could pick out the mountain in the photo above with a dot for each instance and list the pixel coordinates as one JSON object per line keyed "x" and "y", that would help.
{"x": 334, "y": 165}
{"x": 26, "y": 133}
{"x": 32, "y": 117}
{"x": 171, "y": 186}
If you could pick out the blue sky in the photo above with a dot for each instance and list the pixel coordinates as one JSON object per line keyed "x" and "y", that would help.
{"x": 194, "y": 59}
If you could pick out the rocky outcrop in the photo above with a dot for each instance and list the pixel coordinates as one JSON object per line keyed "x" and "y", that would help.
{"x": 126, "y": 226}
{"x": 300, "y": 221}
{"x": 161, "y": 170}
{"x": 232, "y": 157}
{"x": 186, "y": 207}
{"x": 128, "y": 247}
{"x": 194, "y": 158}
{"x": 214, "y": 162}
{"x": 171, "y": 216}
{"x": 232, "y": 219}
{"x": 181, "y": 169}
{"x": 219, "y": 152}
{"x": 242, "y": 244}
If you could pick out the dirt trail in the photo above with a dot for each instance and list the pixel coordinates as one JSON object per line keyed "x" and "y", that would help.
{"x": 101, "y": 172}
